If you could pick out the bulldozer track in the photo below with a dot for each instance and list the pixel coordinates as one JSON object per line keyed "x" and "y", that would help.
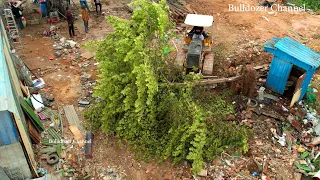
{"x": 208, "y": 64}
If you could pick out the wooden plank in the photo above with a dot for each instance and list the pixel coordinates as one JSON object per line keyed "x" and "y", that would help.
{"x": 34, "y": 133}
{"x": 72, "y": 117}
{"x": 77, "y": 135}
{"x": 24, "y": 90}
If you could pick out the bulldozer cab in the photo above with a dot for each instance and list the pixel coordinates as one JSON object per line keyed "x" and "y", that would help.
{"x": 200, "y": 22}
{"x": 198, "y": 42}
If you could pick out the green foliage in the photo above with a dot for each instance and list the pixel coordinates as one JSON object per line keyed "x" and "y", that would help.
{"x": 141, "y": 104}
{"x": 310, "y": 4}
{"x": 92, "y": 116}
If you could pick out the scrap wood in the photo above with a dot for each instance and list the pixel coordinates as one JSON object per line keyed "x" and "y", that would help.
{"x": 33, "y": 132}
{"x": 77, "y": 135}
{"x": 259, "y": 165}
{"x": 187, "y": 6}
{"x": 24, "y": 89}
{"x": 33, "y": 116}
{"x": 264, "y": 66}
{"x": 264, "y": 166}
{"x": 72, "y": 117}
{"x": 269, "y": 113}
{"x": 53, "y": 133}
{"x": 61, "y": 123}
{"x": 179, "y": 11}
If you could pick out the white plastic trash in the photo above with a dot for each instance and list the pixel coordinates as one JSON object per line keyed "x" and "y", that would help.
{"x": 37, "y": 102}
{"x": 63, "y": 39}
{"x": 39, "y": 83}
{"x": 72, "y": 43}
{"x": 317, "y": 175}
{"x": 261, "y": 93}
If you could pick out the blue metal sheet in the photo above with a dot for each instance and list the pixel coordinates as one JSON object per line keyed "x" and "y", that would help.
{"x": 8, "y": 131}
{"x": 298, "y": 51}
{"x": 271, "y": 43}
{"x": 306, "y": 82}
{"x": 4, "y": 104}
{"x": 278, "y": 75}
{"x": 7, "y": 93}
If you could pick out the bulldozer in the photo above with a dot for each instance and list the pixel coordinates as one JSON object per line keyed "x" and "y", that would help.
{"x": 197, "y": 54}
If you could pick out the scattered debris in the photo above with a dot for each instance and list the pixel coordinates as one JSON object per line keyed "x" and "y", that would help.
{"x": 89, "y": 145}
{"x": 265, "y": 18}
{"x": 203, "y": 173}
{"x": 72, "y": 117}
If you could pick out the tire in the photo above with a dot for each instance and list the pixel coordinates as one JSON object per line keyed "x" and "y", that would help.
{"x": 53, "y": 159}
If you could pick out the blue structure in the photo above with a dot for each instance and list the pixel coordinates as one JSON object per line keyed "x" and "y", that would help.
{"x": 8, "y": 131}
{"x": 288, "y": 52}
{"x": 15, "y": 143}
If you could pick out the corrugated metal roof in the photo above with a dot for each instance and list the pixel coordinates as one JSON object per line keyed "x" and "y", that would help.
{"x": 6, "y": 96}
{"x": 8, "y": 132}
{"x": 298, "y": 51}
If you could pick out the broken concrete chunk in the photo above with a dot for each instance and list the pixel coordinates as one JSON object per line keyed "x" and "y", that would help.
{"x": 203, "y": 173}
{"x": 85, "y": 77}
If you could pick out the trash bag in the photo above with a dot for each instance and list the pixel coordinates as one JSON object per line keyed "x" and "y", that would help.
{"x": 310, "y": 96}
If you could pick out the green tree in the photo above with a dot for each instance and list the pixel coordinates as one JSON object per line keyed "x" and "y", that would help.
{"x": 311, "y": 4}
{"x": 140, "y": 102}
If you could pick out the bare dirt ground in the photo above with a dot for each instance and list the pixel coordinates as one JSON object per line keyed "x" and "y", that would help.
{"x": 236, "y": 35}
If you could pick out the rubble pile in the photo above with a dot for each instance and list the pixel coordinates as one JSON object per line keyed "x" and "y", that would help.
{"x": 246, "y": 52}
{"x": 62, "y": 147}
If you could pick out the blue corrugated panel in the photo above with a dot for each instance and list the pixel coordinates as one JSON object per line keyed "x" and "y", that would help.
{"x": 298, "y": 51}
{"x": 8, "y": 132}
{"x": 3, "y": 81}
{"x": 278, "y": 75}
{"x": 293, "y": 52}
{"x": 271, "y": 43}
{"x": 7, "y": 94}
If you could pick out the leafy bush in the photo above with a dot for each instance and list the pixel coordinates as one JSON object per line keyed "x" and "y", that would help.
{"x": 310, "y": 4}
{"x": 142, "y": 104}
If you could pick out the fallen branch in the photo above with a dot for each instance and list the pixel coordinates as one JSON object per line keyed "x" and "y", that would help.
{"x": 208, "y": 77}
{"x": 213, "y": 81}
